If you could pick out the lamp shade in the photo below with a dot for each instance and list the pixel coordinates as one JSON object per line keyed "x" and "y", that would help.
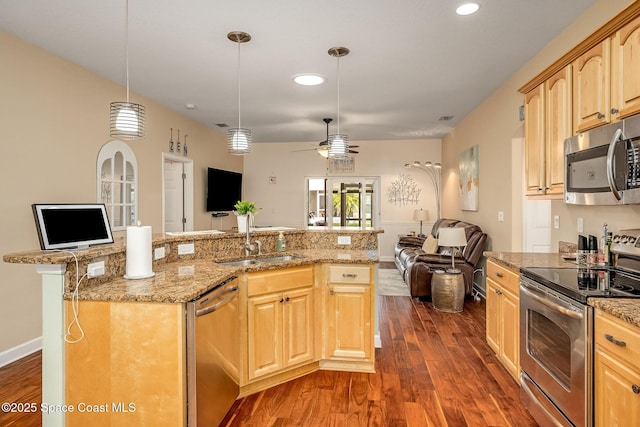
{"x": 420, "y": 215}
{"x": 452, "y": 236}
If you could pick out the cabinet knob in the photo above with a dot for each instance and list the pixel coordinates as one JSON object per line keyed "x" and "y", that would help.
{"x": 331, "y": 292}
{"x": 614, "y": 111}
{"x": 499, "y": 274}
{"x": 635, "y": 389}
{"x": 600, "y": 116}
{"x": 498, "y": 291}
{"x": 286, "y": 299}
{"x": 619, "y": 343}
{"x": 281, "y": 300}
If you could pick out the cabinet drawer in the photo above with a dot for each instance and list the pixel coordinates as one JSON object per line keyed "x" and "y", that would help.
{"x": 349, "y": 274}
{"x": 264, "y": 282}
{"x": 504, "y": 277}
{"x": 618, "y": 337}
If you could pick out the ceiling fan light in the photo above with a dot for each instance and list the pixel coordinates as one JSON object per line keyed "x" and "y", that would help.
{"x": 239, "y": 141}
{"x": 309, "y": 79}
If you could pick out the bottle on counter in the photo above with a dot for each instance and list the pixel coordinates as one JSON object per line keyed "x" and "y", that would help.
{"x": 592, "y": 257}
{"x": 281, "y": 244}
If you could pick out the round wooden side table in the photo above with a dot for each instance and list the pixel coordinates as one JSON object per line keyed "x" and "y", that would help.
{"x": 447, "y": 291}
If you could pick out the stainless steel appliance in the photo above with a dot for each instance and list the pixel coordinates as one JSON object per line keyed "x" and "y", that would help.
{"x": 213, "y": 354}
{"x": 602, "y": 166}
{"x": 556, "y": 332}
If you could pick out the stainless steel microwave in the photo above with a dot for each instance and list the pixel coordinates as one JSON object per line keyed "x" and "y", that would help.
{"x": 602, "y": 166}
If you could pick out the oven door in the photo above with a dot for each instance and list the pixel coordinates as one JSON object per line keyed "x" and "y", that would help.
{"x": 556, "y": 351}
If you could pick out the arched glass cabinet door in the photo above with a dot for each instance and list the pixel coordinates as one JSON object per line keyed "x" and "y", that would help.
{"x": 117, "y": 179}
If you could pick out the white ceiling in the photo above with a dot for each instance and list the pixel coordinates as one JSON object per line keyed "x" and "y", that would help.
{"x": 411, "y": 61}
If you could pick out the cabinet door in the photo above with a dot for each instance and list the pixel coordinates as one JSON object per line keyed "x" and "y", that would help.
{"x": 534, "y": 141}
{"x": 349, "y": 321}
{"x": 510, "y": 334}
{"x": 264, "y": 334}
{"x": 617, "y": 404}
{"x": 591, "y": 88}
{"x": 493, "y": 315}
{"x": 625, "y": 71}
{"x": 557, "y": 128}
{"x": 298, "y": 329}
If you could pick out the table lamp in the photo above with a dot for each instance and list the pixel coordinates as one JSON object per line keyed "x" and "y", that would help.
{"x": 454, "y": 238}
{"x": 420, "y": 215}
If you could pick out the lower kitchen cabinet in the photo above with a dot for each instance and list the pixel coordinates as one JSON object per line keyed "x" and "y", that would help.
{"x": 617, "y": 374}
{"x": 280, "y": 320}
{"x": 348, "y": 341}
{"x": 503, "y": 316}
{"x": 130, "y": 366}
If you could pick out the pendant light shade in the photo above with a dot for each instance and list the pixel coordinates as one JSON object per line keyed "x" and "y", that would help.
{"x": 126, "y": 119}
{"x": 338, "y": 143}
{"x": 239, "y": 139}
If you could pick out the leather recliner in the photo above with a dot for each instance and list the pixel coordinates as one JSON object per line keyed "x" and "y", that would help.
{"x": 417, "y": 267}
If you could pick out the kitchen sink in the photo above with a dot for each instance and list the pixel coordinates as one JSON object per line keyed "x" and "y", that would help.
{"x": 253, "y": 261}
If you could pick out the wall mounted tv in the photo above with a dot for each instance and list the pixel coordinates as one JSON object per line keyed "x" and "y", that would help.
{"x": 224, "y": 189}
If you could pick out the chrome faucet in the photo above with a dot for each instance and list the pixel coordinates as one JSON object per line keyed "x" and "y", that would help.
{"x": 249, "y": 247}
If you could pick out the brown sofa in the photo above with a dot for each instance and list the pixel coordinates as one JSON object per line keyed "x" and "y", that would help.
{"x": 417, "y": 267}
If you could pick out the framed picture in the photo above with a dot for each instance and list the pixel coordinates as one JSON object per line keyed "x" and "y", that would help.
{"x": 469, "y": 179}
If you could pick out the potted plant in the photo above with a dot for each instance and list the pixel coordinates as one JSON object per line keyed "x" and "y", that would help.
{"x": 244, "y": 208}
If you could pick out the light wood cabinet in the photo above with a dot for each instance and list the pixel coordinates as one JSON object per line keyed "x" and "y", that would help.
{"x": 547, "y": 125}
{"x": 503, "y": 316}
{"x": 591, "y": 88}
{"x": 280, "y": 323}
{"x": 617, "y": 375}
{"x": 348, "y": 342}
{"x": 625, "y": 71}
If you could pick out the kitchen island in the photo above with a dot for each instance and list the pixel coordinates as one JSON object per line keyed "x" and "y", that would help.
{"x": 132, "y": 354}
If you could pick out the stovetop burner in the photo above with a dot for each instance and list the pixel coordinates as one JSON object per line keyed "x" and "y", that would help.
{"x": 582, "y": 283}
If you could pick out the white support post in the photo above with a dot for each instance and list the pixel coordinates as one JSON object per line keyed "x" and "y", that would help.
{"x": 53, "y": 330}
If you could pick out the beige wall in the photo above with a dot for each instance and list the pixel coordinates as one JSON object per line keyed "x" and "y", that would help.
{"x": 54, "y": 117}
{"x": 495, "y": 124}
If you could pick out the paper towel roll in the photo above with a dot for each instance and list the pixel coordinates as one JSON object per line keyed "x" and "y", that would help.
{"x": 139, "y": 254}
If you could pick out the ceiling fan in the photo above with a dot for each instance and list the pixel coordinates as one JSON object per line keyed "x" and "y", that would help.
{"x": 323, "y": 146}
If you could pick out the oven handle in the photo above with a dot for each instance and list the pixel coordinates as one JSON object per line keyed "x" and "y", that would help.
{"x": 552, "y": 305}
{"x": 612, "y": 146}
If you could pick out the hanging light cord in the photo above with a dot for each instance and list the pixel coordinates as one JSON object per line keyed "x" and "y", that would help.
{"x": 239, "y": 126}
{"x": 127, "y": 48}
{"x": 338, "y": 91}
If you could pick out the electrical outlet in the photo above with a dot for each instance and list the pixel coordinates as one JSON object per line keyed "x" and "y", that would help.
{"x": 158, "y": 253}
{"x": 556, "y": 222}
{"x": 344, "y": 240}
{"x": 186, "y": 249}
{"x": 95, "y": 269}
{"x": 501, "y": 216}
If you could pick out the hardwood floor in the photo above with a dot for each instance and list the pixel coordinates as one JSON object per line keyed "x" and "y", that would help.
{"x": 434, "y": 369}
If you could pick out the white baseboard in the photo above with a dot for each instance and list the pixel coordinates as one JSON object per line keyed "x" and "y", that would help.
{"x": 20, "y": 351}
{"x": 377, "y": 341}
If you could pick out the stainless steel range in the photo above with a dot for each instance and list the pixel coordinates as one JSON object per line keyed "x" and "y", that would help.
{"x": 556, "y": 331}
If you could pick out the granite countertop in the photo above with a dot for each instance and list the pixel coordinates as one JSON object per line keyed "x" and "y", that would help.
{"x": 183, "y": 281}
{"x": 622, "y": 308}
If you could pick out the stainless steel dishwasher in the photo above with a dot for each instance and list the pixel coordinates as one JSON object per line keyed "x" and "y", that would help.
{"x": 213, "y": 354}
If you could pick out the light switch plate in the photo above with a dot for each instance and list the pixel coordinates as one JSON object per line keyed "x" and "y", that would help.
{"x": 158, "y": 253}
{"x": 556, "y": 222}
{"x": 344, "y": 240}
{"x": 186, "y": 249}
{"x": 580, "y": 225}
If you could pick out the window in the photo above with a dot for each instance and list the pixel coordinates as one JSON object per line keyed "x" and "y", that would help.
{"x": 343, "y": 202}
{"x": 117, "y": 179}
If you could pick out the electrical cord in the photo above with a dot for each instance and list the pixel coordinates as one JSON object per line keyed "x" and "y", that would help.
{"x": 74, "y": 305}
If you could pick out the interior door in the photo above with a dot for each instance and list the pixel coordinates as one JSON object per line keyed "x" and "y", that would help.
{"x": 173, "y": 196}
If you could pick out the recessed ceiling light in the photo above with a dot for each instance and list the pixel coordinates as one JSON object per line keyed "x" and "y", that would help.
{"x": 190, "y": 106}
{"x": 467, "y": 9}
{"x": 309, "y": 79}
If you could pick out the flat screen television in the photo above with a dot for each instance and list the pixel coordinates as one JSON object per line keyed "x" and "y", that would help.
{"x": 72, "y": 225}
{"x": 224, "y": 189}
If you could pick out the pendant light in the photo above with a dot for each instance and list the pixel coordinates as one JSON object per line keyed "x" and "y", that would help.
{"x": 126, "y": 118}
{"x": 338, "y": 143}
{"x": 239, "y": 139}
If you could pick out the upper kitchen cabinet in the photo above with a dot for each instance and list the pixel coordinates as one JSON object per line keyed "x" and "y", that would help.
{"x": 625, "y": 71}
{"x": 547, "y": 125}
{"x": 591, "y": 84}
